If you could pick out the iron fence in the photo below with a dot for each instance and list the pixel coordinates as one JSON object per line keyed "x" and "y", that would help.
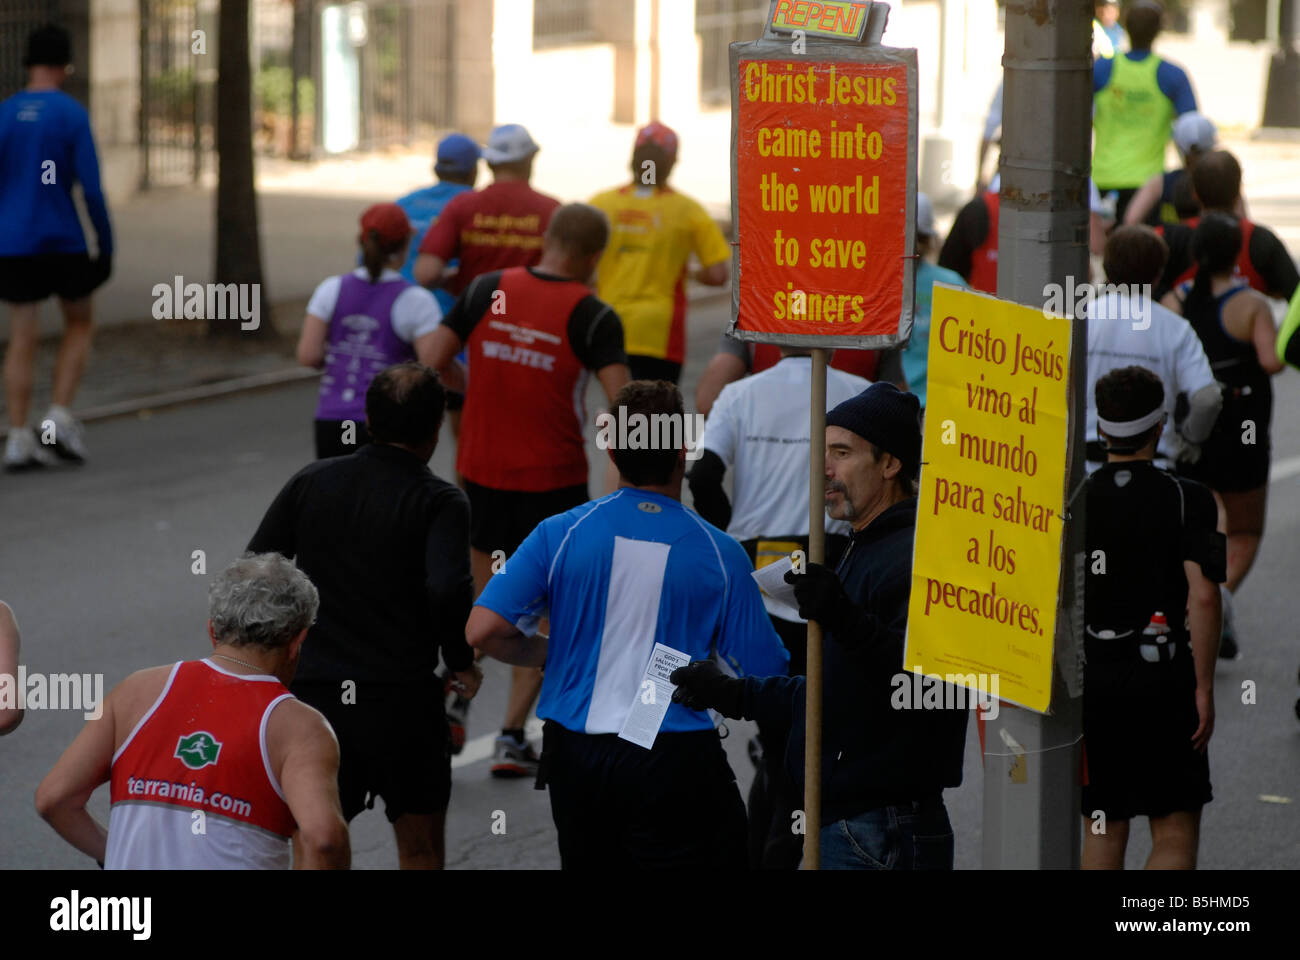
{"x": 404, "y": 79}
{"x": 178, "y": 72}
{"x": 407, "y": 74}
{"x": 561, "y": 22}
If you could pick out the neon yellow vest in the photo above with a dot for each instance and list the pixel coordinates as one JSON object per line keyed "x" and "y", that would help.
{"x": 1132, "y": 120}
{"x": 1286, "y": 351}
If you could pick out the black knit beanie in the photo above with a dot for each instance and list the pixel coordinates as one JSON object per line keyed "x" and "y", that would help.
{"x": 885, "y": 416}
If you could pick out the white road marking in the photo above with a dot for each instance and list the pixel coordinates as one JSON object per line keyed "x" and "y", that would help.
{"x": 480, "y": 748}
{"x": 1282, "y": 469}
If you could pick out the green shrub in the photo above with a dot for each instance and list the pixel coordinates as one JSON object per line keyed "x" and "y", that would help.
{"x": 272, "y": 89}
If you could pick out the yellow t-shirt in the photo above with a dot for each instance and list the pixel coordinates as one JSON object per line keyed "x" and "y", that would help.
{"x": 653, "y": 232}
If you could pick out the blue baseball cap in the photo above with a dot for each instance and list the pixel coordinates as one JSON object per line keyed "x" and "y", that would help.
{"x": 457, "y": 155}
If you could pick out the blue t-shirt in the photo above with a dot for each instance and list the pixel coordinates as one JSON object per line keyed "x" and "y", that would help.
{"x": 422, "y": 208}
{"x": 1170, "y": 78}
{"x": 618, "y": 575}
{"x": 916, "y": 355}
{"x": 46, "y": 147}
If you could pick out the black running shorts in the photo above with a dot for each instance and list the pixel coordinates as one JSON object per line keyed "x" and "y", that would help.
{"x": 501, "y": 519}
{"x": 1229, "y": 463}
{"x": 619, "y": 807}
{"x": 1138, "y": 721}
{"x": 393, "y": 743}
{"x": 32, "y": 279}
{"x": 653, "y": 368}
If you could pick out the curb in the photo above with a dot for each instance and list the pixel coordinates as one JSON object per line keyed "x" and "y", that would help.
{"x": 263, "y": 381}
{"x": 176, "y": 398}
{"x": 1274, "y": 135}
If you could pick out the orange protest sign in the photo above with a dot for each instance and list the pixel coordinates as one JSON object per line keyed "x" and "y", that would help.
{"x": 824, "y": 199}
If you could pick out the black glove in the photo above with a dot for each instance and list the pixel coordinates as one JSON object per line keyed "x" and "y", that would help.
{"x": 821, "y": 597}
{"x": 701, "y": 685}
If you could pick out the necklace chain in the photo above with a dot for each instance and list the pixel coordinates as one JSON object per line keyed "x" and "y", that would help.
{"x": 241, "y": 662}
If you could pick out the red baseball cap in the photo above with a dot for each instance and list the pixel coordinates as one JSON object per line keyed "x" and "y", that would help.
{"x": 389, "y": 221}
{"x": 660, "y": 135}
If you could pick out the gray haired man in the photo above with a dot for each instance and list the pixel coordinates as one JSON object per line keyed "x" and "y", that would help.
{"x": 213, "y": 764}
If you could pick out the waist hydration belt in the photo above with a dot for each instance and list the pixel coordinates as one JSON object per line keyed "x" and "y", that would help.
{"x": 1104, "y": 645}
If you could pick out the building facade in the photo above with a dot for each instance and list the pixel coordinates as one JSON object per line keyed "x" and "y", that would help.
{"x": 337, "y": 77}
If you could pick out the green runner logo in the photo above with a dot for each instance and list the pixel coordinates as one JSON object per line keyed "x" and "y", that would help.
{"x": 197, "y": 750}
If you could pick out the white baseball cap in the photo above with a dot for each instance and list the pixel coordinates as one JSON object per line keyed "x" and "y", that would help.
{"x": 1194, "y": 131}
{"x": 509, "y": 143}
{"x": 924, "y": 215}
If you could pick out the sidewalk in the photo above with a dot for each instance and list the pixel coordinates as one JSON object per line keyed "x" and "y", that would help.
{"x": 135, "y": 368}
{"x": 138, "y": 367}
{"x": 308, "y": 216}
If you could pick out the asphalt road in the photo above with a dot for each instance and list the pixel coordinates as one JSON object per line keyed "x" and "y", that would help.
{"x": 96, "y": 562}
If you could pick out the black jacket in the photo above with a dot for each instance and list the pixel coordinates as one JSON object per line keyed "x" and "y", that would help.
{"x": 387, "y": 545}
{"x": 872, "y": 754}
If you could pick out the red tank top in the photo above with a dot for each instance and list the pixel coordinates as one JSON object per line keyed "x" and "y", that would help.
{"x": 984, "y": 258}
{"x": 203, "y": 747}
{"x": 524, "y": 411}
{"x": 861, "y": 363}
{"x": 1245, "y": 268}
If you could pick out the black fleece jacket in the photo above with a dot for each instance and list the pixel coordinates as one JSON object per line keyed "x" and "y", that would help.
{"x": 872, "y": 754}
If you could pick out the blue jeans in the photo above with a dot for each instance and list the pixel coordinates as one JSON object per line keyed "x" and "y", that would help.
{"x": 914, "y": 836}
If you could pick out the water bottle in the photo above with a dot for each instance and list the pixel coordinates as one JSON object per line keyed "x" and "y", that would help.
{"x": 1109, "y": 204}
{"x": 1155, "y": 645}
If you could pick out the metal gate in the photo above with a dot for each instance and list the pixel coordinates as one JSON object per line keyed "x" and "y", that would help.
{"x": 177, "y": 85}
{"x": 397, "y": 85}
{"x": 407, "y": 75}
{"x": 719, "y": 22}
{"x": 557, "y": 23}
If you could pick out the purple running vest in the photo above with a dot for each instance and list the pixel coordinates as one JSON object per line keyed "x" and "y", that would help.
{"x": 361, "y": 343}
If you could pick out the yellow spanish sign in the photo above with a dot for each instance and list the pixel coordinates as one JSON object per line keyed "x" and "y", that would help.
{"x": 987, "y": 561}
{"x": 842, "y": 19}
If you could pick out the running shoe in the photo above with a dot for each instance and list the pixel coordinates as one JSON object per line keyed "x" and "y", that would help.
{"x": 69, "y": 438}
{"x": 22, "y": 452}
{"x": 457, "y": 716}
{"x": 513, "y": 758}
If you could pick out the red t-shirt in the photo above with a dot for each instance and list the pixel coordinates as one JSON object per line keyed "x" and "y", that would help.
{"x": 861, "y": 363}
{"x": 984, "y": 258}
{"x": 494, "y": 228}
{"x": 529, "y": 353}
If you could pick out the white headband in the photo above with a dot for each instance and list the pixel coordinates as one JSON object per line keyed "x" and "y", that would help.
{"x": 1131, "y": 428}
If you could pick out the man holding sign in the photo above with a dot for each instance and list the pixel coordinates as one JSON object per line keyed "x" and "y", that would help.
{"x": 636, "y": 585}
{"x": 884, "y": 768}
{"x": 759, "y": 427}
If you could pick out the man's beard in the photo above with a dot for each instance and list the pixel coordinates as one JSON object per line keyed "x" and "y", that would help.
{"x": 848, "y": 510}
